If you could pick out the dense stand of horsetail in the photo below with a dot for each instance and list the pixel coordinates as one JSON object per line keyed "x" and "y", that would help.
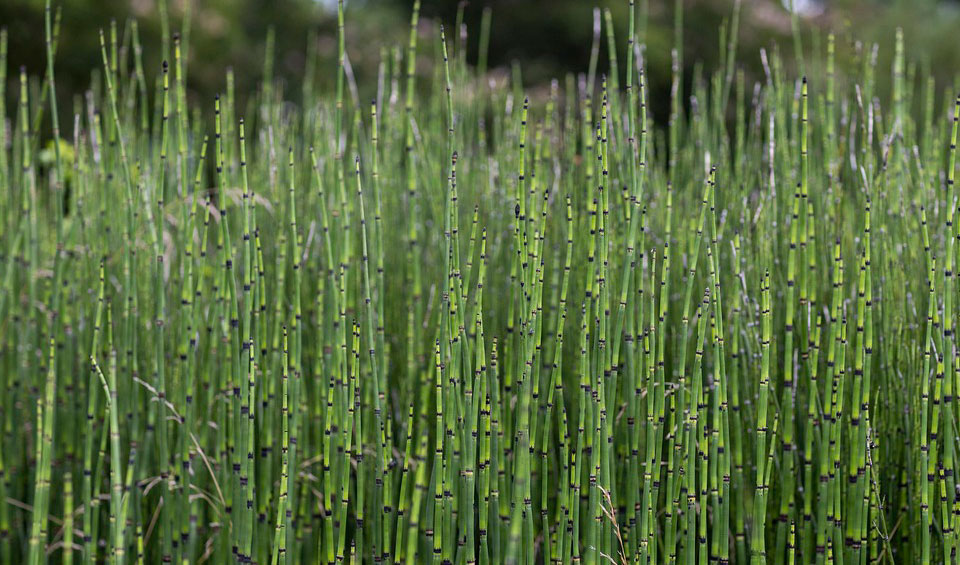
{"x": 469, "y": 321}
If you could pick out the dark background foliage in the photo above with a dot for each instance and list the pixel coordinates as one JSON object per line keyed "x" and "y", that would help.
{"x": 548, "y": 38}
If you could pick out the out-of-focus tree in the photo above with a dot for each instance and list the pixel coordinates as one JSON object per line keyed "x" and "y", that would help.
{"x": 548, "y": 37}
{"x": 222, "y": 34}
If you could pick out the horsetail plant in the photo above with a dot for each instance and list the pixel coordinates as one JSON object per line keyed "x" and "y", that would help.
{"x": 296, "y": 360}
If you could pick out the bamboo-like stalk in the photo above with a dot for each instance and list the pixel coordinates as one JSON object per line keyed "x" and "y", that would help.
{"x": 289, "y": 357}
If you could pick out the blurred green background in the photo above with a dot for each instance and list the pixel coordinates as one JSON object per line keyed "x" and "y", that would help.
{"x": 547, "y": 37}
